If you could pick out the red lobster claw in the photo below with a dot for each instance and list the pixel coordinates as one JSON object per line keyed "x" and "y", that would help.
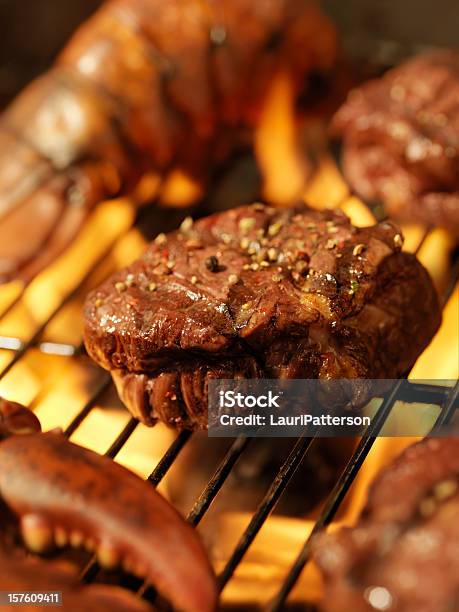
{"x": 65, "y": 494}
{"x": 15, "y": 419}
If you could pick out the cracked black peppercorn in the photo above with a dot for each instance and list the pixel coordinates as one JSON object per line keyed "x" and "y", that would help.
{"x": 212, "y": 263}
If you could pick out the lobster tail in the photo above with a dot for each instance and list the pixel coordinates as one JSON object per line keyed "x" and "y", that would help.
{"x": 143, "y": 85}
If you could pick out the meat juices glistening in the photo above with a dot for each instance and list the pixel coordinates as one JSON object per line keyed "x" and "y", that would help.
{"x": 256, "y": 292}
{"x": 144, "y": 85}
{"x": 402, "y": 554}
{"x": 400, "y": 137}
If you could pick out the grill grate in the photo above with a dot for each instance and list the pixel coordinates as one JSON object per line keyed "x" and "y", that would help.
{"x": 445, "y": 397}
{"x": 347, "y": 478}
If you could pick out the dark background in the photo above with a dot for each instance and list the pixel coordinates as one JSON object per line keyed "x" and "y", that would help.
{"x": 431, "y": 22}
{"x": 32, "y": 31}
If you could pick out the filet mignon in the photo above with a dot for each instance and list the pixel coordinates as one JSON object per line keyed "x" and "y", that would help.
{"x": 400, "y": 137}
{"x": 403, "y": 553}
{"x": 258, "y": 292}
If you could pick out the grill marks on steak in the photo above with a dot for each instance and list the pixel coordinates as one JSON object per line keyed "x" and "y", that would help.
{"x": 401, "y": 139}
{"x": 258, "y": 292}
{"x": 403, "y": 554}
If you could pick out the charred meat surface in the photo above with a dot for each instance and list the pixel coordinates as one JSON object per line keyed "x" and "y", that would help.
{"x": 256, "y": 292}
{"x": 403, "y": 553}
{"x": 143, "y": 86}
{"x": 400, "y": 136}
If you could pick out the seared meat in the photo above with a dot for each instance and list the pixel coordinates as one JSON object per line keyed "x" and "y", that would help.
{"x": 401, "y": 139}
{"x": 403, "y": 555}
{"x": 257, "y": 292}
{"x": 178, "y": 394}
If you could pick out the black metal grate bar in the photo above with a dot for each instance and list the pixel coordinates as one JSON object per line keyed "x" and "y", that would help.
{"x": 265, "y": 508}
{"x": 449, "y": 409}
{"x": 218, "y": 479}
{"x": 169, "y": 457}
{"x": 80, "y": 417}
{"x": 424, "y": 393}
{"x": 122, "y": 438}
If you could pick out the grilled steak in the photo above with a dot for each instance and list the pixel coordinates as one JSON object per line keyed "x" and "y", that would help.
{"x": 400, "y": 139}
{"x": 258, "y": 292}
{"x": 403, "y": 555}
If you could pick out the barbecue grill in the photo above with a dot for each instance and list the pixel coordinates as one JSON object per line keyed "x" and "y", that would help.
{"x": 47, "y": 342}
{"x": 44, "y": 365}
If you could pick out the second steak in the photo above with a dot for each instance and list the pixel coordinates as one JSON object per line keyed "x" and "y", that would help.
{"x": 257, "y": 292}
{"x": 402, "y": 556}
{"x": 400, "y": 137}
